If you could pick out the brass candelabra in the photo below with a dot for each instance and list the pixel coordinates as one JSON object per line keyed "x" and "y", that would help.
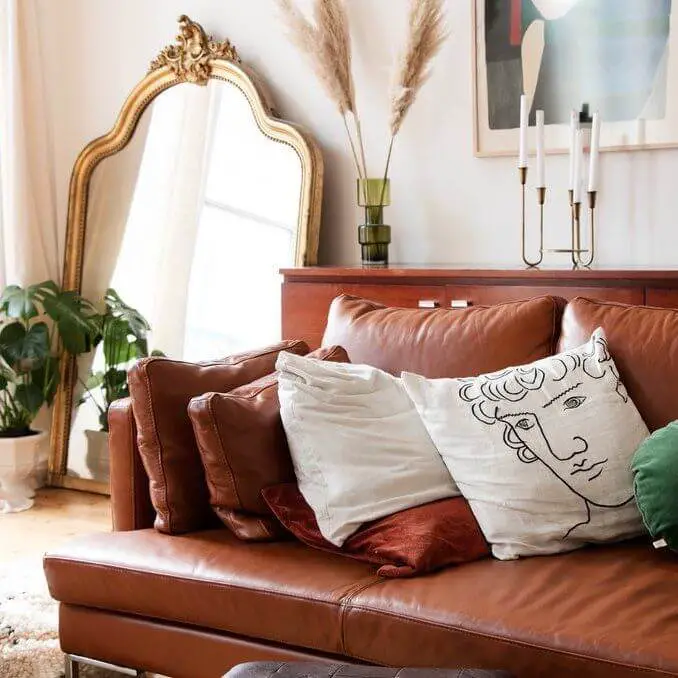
{"x": 576, "y": 250}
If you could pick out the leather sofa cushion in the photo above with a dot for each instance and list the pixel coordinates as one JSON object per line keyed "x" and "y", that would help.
{"x": 644, "y": 343}
{"x": 243, "y": 449}
{"x": 282, "y": 592}
{"x": 595, "y": 613}
{"x": 161, "y": 390}
{"x": 410, "y": 542}
{"x": 444, "y": 342}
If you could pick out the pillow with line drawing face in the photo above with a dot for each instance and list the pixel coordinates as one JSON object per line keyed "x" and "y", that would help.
{"x": 542, "y": 452}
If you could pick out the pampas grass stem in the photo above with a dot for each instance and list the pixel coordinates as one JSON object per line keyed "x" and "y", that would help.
{"x": 388, "y": 164}
{"x": 359, "y": 132}
{"x": 353, "y": 150}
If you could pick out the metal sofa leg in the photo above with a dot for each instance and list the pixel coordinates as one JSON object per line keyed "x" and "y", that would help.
{"x": 73, "y": 667}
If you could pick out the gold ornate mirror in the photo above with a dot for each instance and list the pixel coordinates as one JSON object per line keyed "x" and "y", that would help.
{"x": 187, "y": 209}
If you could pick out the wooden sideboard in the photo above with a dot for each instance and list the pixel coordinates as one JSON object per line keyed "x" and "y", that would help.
{"x": 308, "y": 292}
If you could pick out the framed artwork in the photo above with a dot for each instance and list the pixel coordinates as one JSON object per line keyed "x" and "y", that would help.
{"x": 618, "y": 57}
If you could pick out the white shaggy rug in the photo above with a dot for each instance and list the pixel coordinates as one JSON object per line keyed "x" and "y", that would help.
{"x": 29, "y": 644}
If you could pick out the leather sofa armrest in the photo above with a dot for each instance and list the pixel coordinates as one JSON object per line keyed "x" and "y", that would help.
{"x": 130, "y": 496}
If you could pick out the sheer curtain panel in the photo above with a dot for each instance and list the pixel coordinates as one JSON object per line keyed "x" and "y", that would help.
{"x": 30, "y": 249}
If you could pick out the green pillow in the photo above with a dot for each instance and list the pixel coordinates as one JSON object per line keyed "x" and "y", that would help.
{"x": 655, "y": 484}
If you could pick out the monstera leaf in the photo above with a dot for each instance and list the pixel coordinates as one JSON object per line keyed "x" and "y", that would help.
{"x": 76, "y": 319}
{"x": 36, "y": 346}
{"x": 21, "y": 303}
{"x": 30, "y": 397}
{"x": 136, "y": 324}
{"x": 25, "y": 349}
{"x": 120, "y": 344}
{"x": 11, "y": 342}
{"x": 124, "y": 331}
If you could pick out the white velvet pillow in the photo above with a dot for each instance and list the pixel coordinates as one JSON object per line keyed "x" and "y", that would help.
{"x": 359, "y": 448}
{"x": 542, "y": 452}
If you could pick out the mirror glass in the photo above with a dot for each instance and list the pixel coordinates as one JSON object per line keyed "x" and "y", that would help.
{"x": 188, "y": 224}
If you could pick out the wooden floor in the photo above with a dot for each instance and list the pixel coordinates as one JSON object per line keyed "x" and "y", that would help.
{"x": 57, "y": 516}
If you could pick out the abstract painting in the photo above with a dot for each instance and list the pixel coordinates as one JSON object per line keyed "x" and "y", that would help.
{"x": 616, "y": 56}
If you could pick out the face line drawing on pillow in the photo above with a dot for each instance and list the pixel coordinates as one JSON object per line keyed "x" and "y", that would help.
{"x": 578, "y": 467}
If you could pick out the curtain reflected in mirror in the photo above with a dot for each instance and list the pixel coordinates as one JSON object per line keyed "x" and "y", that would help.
{"x": 189, "y": 225}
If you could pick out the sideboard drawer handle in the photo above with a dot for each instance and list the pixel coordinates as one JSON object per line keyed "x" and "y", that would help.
{"x": 460, "y": 303}
{"x": 428, "y": 303}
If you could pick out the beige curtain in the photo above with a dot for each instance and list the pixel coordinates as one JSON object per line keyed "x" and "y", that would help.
{"x": 30, "y": 249}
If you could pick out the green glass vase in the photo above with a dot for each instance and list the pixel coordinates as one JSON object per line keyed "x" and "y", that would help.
{"x": 374, "y": 235}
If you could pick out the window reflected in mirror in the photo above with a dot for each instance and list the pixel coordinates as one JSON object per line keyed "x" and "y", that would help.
{"x": 189, "y": 224}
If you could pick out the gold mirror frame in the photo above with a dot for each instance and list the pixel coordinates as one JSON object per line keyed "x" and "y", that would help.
{"x": 195, "y": 58}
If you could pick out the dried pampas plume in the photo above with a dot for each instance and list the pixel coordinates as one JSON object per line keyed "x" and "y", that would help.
{"x": 335, "y": 45}
{"x": 327, "y": 45}
{"x": 426, "y": 36}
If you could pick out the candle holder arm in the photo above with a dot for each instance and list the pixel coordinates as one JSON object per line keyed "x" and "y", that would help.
{"x": 541, "y": 198}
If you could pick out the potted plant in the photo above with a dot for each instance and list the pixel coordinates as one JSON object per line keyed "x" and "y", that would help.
{"x": 36, "y": 323}
{"x": 123, "y": 339}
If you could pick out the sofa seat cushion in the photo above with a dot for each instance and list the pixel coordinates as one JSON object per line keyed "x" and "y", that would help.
{"x": 281, "y": 592}
{"x": 597, "y": 612}
{"x": 601, "y": 611}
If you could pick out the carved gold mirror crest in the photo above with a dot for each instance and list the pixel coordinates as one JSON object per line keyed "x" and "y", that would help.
{"x": 259, "y": 183}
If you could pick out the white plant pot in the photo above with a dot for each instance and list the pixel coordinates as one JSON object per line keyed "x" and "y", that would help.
{"x": 22, "y": 463}
{"x": 97, "y": 455}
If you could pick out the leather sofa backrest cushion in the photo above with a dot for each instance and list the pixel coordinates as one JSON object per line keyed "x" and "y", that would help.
{"x": 161, "y": 390}
{"x": 444, "y": 342}
{"x": 243, "y": 448}
{"x": 644, "y": 343}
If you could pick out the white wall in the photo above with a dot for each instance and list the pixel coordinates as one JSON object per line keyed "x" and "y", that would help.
{"x": 449, "y": 207}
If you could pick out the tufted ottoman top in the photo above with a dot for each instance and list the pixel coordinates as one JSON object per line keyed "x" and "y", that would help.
{"x": 328, "y": 670}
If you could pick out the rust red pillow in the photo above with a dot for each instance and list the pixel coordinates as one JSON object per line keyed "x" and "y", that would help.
{"x": 243, "y": 449}
{"x": 411, "y": 542}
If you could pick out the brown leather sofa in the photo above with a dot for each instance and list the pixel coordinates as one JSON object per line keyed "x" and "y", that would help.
{"x": 194, "y": 605}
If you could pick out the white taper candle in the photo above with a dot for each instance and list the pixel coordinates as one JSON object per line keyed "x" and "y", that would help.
{"x": 594, "y": 161}
{"x": 541, "y": 159}
{"x": 578, "y": 162}
{"x": 524, "y": 115}
{"x": 573, "y": 147}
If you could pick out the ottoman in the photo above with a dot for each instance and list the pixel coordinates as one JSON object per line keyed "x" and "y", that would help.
{"x": 310, "y": 670}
